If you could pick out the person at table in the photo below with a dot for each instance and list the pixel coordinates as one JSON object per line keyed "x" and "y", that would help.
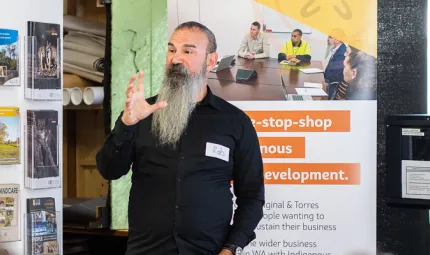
{"x": 333, "y": 73}
{"x": 327, "y": 53}
{"x": 255, "y": 43}
{"x": 185, "y": 145}
{"x": 296, "y": 49}
{"x": 334, "y": 69}
{"x": 328, "y": 48}
{"x": 359, "y": 76}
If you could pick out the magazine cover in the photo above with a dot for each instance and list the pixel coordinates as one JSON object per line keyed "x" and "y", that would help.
{"x": 42, "y": 149}
{"x": 9, "y": 56}
{"x": 9, "y": 214}
{"x": 41, "y": 226}
{"x": 9, "y": 136}
{"x": 44, "y": 65}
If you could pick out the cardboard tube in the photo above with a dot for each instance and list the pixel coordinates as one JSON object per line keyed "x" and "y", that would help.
{"x": 76, "y": 96}
{"x": 93, "y": 95}
{"x": 66, "y": 96}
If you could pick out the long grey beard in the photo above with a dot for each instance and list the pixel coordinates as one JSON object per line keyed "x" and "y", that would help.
{"x": 180, "y": 91}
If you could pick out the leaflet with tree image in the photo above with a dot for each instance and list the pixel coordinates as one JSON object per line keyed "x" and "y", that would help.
{"x": 9, "y": 57}
{"x": 9, "y": 136}
{"x": 42, "y": 155}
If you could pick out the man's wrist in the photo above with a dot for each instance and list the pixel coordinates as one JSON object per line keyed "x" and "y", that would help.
{"x": 226, "y": 252}
{"x": 122, "y": 133}
{"x": 235, "y": 249}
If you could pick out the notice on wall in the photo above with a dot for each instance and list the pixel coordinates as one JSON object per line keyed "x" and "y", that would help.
{"x": 415, "y": 179}
{"x": 320, "y": 176}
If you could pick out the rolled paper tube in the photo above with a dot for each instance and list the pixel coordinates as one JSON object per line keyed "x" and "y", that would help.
{"x": 76, "y": 96}
{"x": 66, "y": 96}
{"x": 93, "y": 95}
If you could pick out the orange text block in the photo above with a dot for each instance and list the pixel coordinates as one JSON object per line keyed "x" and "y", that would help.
{"x": 312, "y": 173}
{"x": 282, "y": 147}
{"x": 300, "y": 121}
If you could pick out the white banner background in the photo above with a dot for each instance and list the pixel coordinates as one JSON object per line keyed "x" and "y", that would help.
{"x": 350, "y": 208}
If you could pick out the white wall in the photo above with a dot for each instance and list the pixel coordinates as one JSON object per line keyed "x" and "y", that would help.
{"x": 15, "y": 17}
{"x": 230, "y": 20}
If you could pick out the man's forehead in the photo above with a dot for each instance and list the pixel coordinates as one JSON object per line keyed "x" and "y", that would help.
{"x": 189, "y": 37}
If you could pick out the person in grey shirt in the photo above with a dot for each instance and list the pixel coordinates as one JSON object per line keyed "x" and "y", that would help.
{"x": 254, "y": 44}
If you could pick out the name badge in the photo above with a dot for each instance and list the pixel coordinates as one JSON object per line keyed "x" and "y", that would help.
{"x": 217, "y": 151}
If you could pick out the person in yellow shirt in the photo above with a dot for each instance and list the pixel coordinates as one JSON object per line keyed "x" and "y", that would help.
{"x": 296, "y": 49}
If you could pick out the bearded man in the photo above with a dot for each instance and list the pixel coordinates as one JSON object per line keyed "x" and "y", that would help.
{"x": 185, "y": 146}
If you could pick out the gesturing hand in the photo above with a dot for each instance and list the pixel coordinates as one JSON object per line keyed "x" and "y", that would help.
{"x": 136, "y": 108}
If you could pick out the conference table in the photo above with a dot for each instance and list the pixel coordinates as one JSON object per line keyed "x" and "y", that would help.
{"x": 267, "y": 85}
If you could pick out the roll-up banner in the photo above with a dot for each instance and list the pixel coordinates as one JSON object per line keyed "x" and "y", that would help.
{"x": 305, "y": 73}
{"x": 313, "y": 105}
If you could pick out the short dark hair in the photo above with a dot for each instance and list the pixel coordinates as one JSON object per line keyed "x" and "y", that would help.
{"x": 257, "y": 24}
{"x": 298, "y": 31}
{"x": 212, "y": 45}
{"x": 366, "y": 66}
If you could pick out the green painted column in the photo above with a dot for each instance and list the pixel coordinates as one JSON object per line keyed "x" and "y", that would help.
{"x": 139, "y": 42}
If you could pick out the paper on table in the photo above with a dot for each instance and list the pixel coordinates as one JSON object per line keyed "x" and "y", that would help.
{"x": 311, "y": 92}
{"x": 312, "y": 85}
{"x": 311, "y": 70}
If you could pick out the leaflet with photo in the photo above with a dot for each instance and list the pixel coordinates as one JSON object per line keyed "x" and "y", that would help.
{"x": 10, "y": 136}
{"x": 9, "y": 57}
{"x": 44, "y": 65}
{"x": 9, "y": 212}
{"x": 42, "y": 153}
{"x": 41, "y": 217}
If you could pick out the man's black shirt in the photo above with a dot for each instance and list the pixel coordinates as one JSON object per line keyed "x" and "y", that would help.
{"x": 180, "y": 199}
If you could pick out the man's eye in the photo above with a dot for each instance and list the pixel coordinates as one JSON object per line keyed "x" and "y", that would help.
{"x": 188, "y": 51}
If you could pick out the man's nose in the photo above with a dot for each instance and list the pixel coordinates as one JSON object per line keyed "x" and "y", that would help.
{"x": 177, "y": 58}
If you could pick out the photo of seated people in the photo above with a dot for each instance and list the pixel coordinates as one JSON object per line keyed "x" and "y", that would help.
{"x": 264, "y": 48}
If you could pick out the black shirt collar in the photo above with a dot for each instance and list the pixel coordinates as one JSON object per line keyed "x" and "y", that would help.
{"x": 210, "y": 99}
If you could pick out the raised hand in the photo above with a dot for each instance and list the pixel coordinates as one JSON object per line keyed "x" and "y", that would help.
{"x": 136, "y": 108}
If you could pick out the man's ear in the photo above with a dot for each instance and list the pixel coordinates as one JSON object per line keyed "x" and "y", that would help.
{"x": 354, "y": 73}
{"x": 211, "y": 61}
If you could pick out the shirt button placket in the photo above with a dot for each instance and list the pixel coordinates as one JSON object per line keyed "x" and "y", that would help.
{"x": 179, "y": 176}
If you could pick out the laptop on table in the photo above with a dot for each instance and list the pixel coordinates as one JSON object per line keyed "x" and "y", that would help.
{"x": 294, "y": 97}
{"x": 224, "y": 63}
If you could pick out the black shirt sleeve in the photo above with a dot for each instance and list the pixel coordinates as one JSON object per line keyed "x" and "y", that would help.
{"x": 117, "y": 154}
{"x": 248, "y": 185}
